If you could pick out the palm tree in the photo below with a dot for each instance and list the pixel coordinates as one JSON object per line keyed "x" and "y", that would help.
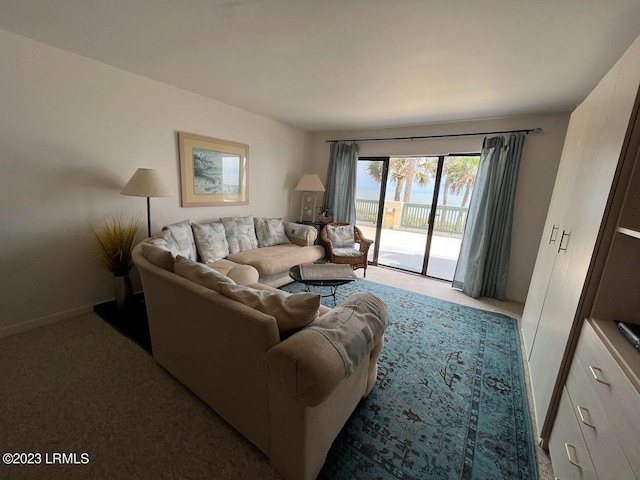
{"x": 461, "y": 175}
{"x": 403, "y": 171}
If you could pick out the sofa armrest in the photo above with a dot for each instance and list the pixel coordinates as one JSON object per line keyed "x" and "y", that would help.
{"x": 303, "y": 235}
{"x": 310, "y": 364}
{"x": 306, "y": 366}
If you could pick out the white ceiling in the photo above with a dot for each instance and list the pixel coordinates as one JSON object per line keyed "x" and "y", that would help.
{"x": 348, "y": 64}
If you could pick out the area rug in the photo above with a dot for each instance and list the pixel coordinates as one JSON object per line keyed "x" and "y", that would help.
{"x": 450, "y": 401}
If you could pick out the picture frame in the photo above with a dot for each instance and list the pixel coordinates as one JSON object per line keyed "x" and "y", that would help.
{"x": 213, "y": 172}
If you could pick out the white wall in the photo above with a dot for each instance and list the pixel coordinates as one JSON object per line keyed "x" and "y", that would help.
{"x": 72, "y": 132}
{"x": 540, "y": 159}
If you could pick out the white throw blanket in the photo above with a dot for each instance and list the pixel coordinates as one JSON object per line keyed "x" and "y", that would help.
{"x": 354, "y": 327}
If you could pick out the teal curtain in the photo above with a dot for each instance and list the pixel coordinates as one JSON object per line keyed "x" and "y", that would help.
{"x": 340, "y": 184}
{"x": 483, "y": 265}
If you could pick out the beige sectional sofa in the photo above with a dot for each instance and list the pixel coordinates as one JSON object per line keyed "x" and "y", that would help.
{"x": 264, "y": 360}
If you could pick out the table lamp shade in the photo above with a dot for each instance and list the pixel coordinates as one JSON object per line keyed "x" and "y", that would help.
{"x": 146, "y": 183}
{"x": 310, "y": 182}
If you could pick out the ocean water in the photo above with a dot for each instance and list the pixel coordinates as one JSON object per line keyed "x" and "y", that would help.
{"x": 368, "y": 189}
{"x": 419, "y": 194}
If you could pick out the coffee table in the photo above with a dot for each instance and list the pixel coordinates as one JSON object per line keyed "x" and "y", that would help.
{"x": 332, "y": 275}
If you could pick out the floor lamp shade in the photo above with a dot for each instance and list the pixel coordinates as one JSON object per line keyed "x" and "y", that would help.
{"x": 309, "y": 184}
{"x": 146, "y": 182}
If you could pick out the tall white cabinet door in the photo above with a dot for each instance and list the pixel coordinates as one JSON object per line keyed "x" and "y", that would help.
{"x": 568, "y": 275}
{"x": 565, "y": 179}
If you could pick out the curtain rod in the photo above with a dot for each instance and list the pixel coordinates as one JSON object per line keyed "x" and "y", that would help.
{"x": 525, "y": 131}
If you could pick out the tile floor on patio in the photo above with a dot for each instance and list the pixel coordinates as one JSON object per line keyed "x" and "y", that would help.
{"x": 405, "y": 249}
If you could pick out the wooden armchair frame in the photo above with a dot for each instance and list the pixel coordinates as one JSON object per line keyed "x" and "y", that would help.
{"x": 355, "y": 262}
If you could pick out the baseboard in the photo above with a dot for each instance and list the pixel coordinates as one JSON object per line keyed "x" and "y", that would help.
{"x": 40, "y": 322}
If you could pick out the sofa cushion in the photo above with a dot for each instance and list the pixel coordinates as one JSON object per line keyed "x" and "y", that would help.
{"x": 270, "y": 231}
{"x": 160, "y": 257}
{"x": 341, "y": 236}
{"x": 211, "y": 241}
{"x": 347, "y": 252}
{"x": 292, "y": 312}
{"x": 278, "y": 258}
{"x": 200, "y": 273}
{"x": 240, "y": 233}
{"x": 181, "y": 239}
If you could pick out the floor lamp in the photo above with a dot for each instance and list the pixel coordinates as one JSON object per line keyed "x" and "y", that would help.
{"x": 309, "y": 185}
{"x": 146, "y": 183}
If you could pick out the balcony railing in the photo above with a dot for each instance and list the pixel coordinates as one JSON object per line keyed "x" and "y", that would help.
{"x": 367, "y": 210}
{"x": 402, "y": 215}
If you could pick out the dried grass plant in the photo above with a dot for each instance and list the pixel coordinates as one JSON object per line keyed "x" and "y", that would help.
{"x": 115, "y": 237}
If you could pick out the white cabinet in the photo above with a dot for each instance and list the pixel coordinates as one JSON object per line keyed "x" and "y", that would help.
{"x": 595, "y": 434}
{"x": 596, "y": 142}
{"x": 591, "y": 420}
{"x": 567, "y": 448}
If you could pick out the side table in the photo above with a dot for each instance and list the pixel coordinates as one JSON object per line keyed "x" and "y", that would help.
{"x": 318, "y": 226}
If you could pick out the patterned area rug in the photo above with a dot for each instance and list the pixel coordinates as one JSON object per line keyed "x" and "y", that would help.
{"x": 450, "y": 401}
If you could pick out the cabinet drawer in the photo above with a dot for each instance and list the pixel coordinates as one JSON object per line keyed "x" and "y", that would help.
{"x": 568, "y": 451}
{"x": 606, "y": 454}
{"x": 618, "y": 398}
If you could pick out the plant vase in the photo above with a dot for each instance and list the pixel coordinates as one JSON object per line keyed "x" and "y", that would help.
{"x": 123, "y": 290}
{"x": 324, "y": 218}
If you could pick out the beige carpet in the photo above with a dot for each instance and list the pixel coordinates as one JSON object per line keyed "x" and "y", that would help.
{"x": 79, "y": 386}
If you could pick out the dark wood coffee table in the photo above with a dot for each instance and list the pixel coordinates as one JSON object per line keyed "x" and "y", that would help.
{"x": 335, "y": 275}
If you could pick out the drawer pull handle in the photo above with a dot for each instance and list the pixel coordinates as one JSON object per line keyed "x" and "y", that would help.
{"x": 580, "y": 408}
{"x": 595, "y": 375}
{"x": 571, "y": 460}
{"x": 554, "y": 234}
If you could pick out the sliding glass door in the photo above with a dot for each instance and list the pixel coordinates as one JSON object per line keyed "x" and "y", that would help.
{"x": 394, "y": 200}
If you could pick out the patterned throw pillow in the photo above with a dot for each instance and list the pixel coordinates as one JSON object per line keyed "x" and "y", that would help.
{"x": 270, "y": 231}
{"x": 163, "y": 240}
{"x": 240, "y": 233}
{"x": 181, "y": 239}
{"x": 342, "y": 236}
{"x": 211, "y": 241}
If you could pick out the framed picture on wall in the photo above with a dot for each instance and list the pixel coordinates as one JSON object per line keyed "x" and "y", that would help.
{"x": 212, "y": 171}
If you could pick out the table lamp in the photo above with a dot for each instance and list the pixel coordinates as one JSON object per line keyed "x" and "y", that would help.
{"x": 309, "y": 185}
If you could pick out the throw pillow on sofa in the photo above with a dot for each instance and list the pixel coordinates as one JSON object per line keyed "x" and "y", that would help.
{"x": 211, "y": 241}
{"x": 240, "y": 233}
{"x": 291, "y": 312}
{"x": 164, "y": 241}
{"x": 159, "y": 256}
{"x": 181, "y": 238}
{"x": 270, "y": 231}
{"x": 200, "y": 273}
